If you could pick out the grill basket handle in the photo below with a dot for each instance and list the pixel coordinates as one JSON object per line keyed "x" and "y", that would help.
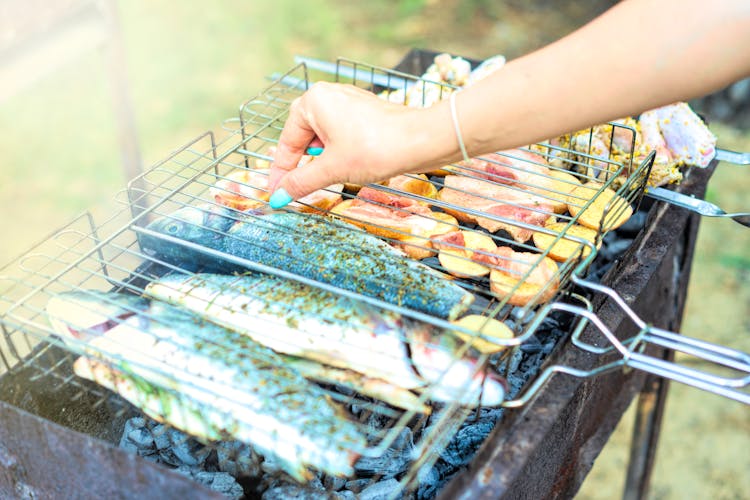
{"x": 632, "y": 351}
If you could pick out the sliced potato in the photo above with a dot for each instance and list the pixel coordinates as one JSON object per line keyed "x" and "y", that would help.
{"x": 565, "y": 249}
{"x": 415, "y": 184}
{"x": 487, "y": 328}
{"x": 457, "y": 261}
{"x": 508, "y": 279}
{"x": 619, "y": 209}
{"x": 420, "y": 246}
{"x": 569, "y": 179}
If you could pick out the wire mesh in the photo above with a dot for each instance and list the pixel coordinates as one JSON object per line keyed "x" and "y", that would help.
{"x": 512, "y": 199}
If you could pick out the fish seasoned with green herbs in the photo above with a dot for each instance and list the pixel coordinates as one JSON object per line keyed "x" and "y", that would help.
{"x": 300, "y": 320}
{"x": 206, "y": 380}
{"x": 314, "y": 247}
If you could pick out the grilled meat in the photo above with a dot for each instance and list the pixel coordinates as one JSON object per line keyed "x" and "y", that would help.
{"x": 687, "y": 137}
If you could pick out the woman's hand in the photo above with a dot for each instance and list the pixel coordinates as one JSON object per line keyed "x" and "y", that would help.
{"x": 365, "y": 139}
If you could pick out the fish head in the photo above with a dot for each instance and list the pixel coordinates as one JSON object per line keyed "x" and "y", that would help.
{"x": 85, "y": 315}
{"x": 204, "y": 225}
{"x": 454, "y": 374}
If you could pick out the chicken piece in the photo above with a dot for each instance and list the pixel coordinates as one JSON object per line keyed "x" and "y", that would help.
{"x": 686, "y": 136}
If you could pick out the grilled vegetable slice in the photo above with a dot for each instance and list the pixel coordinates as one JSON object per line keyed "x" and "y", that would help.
{"x": 457, "y": 250}
{"x": 416, "y": 184}
{"x": 487, "y": 329}
{"x": 618, "y": 210}
{"x": 565, "y": 249}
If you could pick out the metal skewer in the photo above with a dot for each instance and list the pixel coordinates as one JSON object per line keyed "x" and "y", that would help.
{"x": 699, "y": 206}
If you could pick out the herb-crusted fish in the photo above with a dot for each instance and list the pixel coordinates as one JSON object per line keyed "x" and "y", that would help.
{"x": 206, "y": 380}
{"x": 311, "y": 246}
{"x": 300, "y": 320}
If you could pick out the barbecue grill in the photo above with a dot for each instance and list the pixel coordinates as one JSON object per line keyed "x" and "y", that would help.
{"x": 604, "y": 336}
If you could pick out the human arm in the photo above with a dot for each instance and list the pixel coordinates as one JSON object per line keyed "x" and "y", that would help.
{"x": 639, "y": 55}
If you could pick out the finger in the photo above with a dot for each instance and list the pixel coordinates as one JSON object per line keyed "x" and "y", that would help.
{"x": 296, "y": 135}
{"x": 302, "y": 181}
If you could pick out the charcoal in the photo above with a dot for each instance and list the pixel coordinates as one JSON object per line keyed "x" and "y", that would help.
{"x": 392, "y": 462}
{"x": 382, "y": 490}
{"x": 130, "y": 426}
{"x": 618, "y": 247}
{"x": 226, "y": 485}
{"x": 521, "y": 315}
{"x": 188, "y": 451}
{"x": 333, "y": 483}
{"x": 377, "y": 422}
{"x": 288, "y": 490}
{"x": 344, "y": 495}
{"x": 428, "y": 483}
{"x": 464, "y": 444}
{"x": 531, "y": 345}
{"x": 141, "y": 437}
{"x": 549, "y": 323}
{"x": 270, "y": 465}
{"x": 633, "y": 226}
{"x": 161, "y": 438}
{"x": 221, "y": 482}
{"x": 357, "y": 485}
{"x": 137, "y": 422}
{"x": 514, "y": 360}
{"x": 599, "y": 272}
{"x": 238, "y": 459}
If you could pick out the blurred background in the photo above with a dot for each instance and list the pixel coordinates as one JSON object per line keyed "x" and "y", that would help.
{"x": 88, "y": 88}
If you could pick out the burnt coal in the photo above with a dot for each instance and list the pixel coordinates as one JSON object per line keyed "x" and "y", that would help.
{"x": 311, "y": 491}
{"x": 382, "y": 490}
{"x": 393, "y": 462}
{"x": 160, "y": 444}
{"x": 632, "y": 226}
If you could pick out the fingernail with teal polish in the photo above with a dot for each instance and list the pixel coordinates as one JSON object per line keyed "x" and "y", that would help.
{"x": 314, "y": 151}
{"x": 280, "y": 198}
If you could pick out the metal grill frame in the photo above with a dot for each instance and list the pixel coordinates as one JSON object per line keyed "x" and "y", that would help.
{"x": 142, "y": 204}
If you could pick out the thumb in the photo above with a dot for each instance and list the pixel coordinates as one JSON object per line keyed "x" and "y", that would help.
{"x": 302, "y": 181}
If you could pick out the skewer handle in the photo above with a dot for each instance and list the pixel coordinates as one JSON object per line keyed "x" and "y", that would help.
{"x": 732, "y": 156}
{"x": 716, "y": 356}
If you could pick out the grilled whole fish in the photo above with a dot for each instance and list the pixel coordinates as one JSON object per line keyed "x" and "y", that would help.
{"x": 206, "y": 380}
{"x": 300, "y": 320}
{"x": 311, "y": 246}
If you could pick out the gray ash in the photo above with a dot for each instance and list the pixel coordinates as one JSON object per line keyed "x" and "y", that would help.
{"x": 235, "y": 470}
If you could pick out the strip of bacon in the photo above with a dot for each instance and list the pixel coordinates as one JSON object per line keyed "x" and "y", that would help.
{"x": 495, "y": 199}
{"x": 402, "y": 205}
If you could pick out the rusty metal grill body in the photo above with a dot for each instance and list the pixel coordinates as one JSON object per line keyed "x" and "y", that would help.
{"x": 103, "y": 253}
